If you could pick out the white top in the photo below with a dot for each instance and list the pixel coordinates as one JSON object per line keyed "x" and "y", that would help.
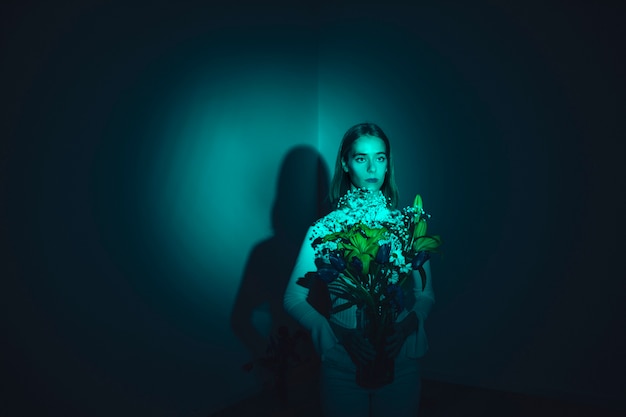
{"x": 324, "y": 339}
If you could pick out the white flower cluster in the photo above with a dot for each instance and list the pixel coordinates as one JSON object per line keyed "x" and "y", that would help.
{"x": 363, "y": 198}
{"x": 369, "y": 208}
{"x": 357, "y": 206}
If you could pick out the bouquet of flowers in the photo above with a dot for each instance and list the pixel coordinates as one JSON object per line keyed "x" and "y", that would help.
{"x": 366, "y": 253}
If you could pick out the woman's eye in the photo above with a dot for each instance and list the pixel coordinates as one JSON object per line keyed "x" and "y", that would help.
{"x": 382, "y": 159}
{"x": 359, "y": 159}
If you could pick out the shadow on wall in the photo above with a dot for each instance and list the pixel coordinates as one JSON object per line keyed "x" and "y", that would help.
{"x": 280, "y": 345}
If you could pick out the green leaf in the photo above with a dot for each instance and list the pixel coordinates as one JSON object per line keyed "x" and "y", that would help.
{"x": 417, "y": 203}
{"x": 342, "y": 295}
{"x": 423, "y": 275}
{"x": 427, "y": 243}
{"x": 342, "y": 307}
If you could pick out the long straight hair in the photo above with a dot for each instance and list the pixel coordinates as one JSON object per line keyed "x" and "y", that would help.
{"x": 340, "y": 183}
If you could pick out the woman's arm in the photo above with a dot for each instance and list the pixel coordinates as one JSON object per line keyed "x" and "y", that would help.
{"x": 296, "y": 304}
{"x": 424, "y": 299}
{"x": 413, "y": 322}
{"x": 325, "y": 335}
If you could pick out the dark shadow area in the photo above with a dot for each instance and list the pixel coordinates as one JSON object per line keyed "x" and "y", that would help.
{"x": 441, "y": 399}
{"x": 281, "y": 346}
{"x": 101, "y": 318}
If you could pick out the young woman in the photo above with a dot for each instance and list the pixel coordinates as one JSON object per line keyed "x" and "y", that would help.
{"x": 364, "y": 167}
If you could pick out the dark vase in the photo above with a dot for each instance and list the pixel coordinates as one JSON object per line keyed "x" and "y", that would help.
{"x": 376, "y": 326}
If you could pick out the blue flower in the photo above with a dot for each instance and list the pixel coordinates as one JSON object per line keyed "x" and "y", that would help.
{"x": 383, "y": 253}
{"x": 395, "y": 293}
{"x": 328, "y": 272}
{"x": 337, "y": 261}
{"x": 357, "y": 264}
{"x": 420, "y": 259}
{"x": 327, "y": 275}
{"x": 325, "y": 271}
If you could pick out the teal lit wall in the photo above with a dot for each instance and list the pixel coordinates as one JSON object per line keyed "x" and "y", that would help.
{"x": 155, "y": 157}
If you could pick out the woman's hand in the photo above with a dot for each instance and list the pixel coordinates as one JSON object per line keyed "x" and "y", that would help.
{"x": 358, "y": 347}
{"x": 401, "y": 331}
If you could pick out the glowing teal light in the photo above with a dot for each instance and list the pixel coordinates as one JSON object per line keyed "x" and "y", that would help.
{"x": 213, "y": 175}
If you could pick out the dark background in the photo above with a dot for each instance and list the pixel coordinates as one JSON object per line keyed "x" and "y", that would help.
{"x": 507, "y": 119}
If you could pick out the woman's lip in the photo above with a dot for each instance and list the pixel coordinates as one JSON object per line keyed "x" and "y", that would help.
{"x": 372, "y": 180}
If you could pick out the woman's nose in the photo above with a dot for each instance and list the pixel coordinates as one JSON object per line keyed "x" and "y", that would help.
{"x": 371, "y": 167}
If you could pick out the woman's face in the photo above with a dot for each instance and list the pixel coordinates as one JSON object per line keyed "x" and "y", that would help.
{"x": 366, "y": 163}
